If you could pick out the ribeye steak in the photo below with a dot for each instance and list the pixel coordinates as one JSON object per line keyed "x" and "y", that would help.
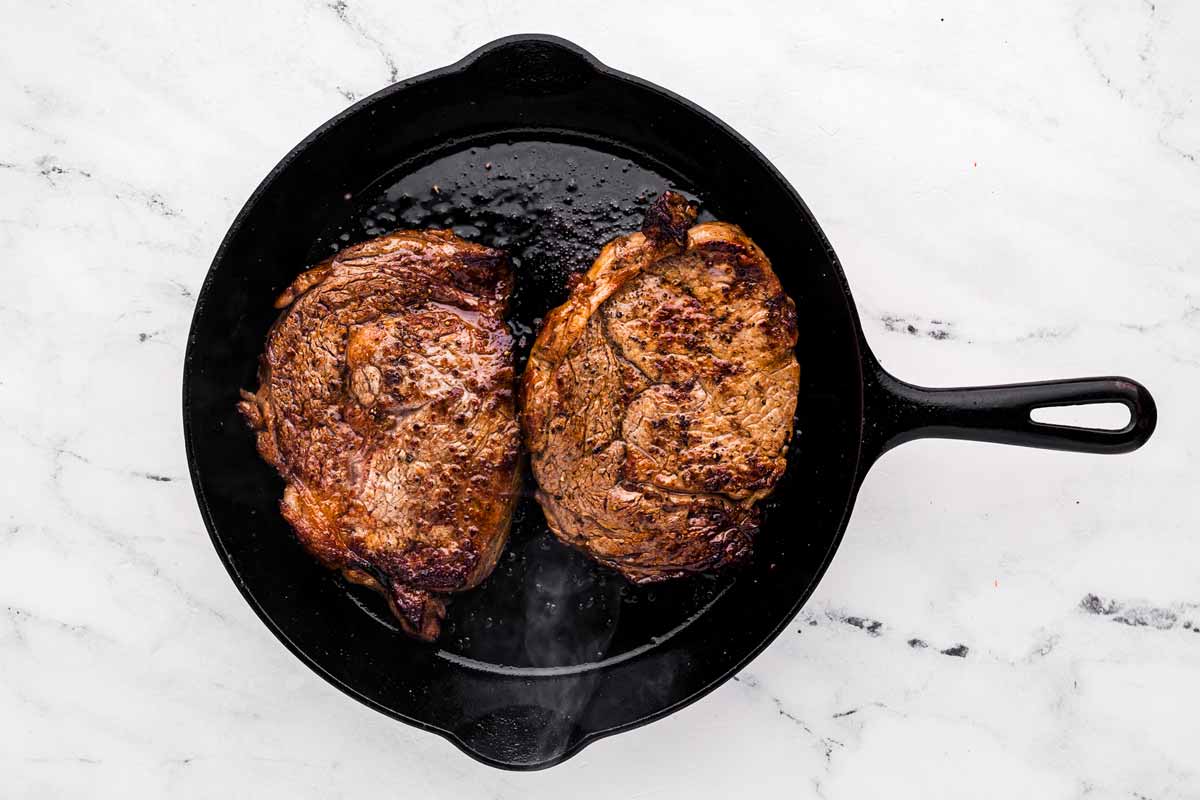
{"x": 658, "y": 400}
{"x": 386, "y": 402}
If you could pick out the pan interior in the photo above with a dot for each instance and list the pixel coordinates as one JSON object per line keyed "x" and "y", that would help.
{"x": 547, "y": 609}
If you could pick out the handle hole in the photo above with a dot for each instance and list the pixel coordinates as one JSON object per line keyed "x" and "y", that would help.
{"x": 1097, "y": 416}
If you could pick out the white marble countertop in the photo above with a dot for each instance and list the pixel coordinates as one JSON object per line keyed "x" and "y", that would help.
{"x": 1027, "y": 174}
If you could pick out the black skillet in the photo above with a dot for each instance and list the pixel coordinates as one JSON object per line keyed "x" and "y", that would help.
{"x": 531, "y": 144}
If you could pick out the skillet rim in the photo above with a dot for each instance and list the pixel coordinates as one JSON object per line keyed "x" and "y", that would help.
{"x": 860, "y": 460}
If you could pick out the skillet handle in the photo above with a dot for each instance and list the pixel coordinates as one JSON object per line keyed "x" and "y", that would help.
{"x": 899, "y": 412}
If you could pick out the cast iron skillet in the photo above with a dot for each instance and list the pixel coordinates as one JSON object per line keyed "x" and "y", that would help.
{"x": 532, "y": 144}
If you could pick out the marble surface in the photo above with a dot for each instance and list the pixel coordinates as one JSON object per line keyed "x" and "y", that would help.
{"x": 1015, "y": 192}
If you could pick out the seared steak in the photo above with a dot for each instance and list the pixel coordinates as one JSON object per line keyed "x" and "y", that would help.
{"x": 386, "y": 402}
{"x": 658, "y": 400}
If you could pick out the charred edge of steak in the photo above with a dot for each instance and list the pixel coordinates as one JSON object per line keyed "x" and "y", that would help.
{"x": 669, "y": 218}
{"x": 420, "y": 613}
{"x": 249, "y": 408}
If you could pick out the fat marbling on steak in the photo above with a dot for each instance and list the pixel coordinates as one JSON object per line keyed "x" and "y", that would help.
{"x": 386, "y": 402}
{"x": 658, "y": 400}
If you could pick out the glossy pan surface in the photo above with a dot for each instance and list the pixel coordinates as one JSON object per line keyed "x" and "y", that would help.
{"x": 531, "y": 144}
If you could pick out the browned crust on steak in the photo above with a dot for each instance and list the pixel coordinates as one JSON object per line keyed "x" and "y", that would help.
{"x": 658, "y": 399}
{"x": 386, "y": 403}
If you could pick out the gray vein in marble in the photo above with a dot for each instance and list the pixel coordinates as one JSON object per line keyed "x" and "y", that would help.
{"x": 875, "y": 629}
{"x": 158, "y": 205}
{"x": 1171, "y": 146}
{"x": 1169, "y": 110}
{"x": 1048, "y": 334}
{"x": 1182, "y": 615}
{"x": 826, "y": 743}
{"x": 1138, "y": 615}
{"x": 21, "y": 617}
{"x": 852, "y": 711}
{"x": 57, "y": 175}
{"x": 14, "y": 619}
{"x": 184, "y": 291}
{"x": 18, "y": 312}
{"x": 1090, "y": 52}
{"x": 870, "y": 626}
{"x": 1045, "y": 648}
{"x": 342, "y": 10}
{"x": 1189, "y": 317}
{"x": 35, "y": 130}
{"x": 1147, "y": 44}
{"x": 157, "y": 337}
{"x": 62, "y": 451}
{"x": 1143, "y": 327}
{"x": 936, "y": 329}
{"x": 192, "y": 248}
{"x": 51, "y": 171}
